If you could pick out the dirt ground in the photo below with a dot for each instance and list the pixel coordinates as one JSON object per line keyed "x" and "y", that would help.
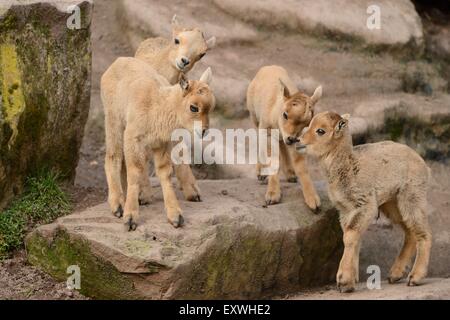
{"x": 18, "y": 280}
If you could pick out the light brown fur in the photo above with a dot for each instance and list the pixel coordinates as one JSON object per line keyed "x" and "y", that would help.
{"x": 384, "y": 176}
{"x": 141, "y": 111}
{"x": 165, "y": 56}
{"x": 162, "y": 56}
{"x": 270, "y": 95}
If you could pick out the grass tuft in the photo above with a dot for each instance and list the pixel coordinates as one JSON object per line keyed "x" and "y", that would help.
{"x": 42, "y": 202}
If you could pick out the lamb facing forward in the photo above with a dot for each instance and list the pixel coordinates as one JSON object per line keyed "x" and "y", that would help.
{"x": 363, "y": 179}
{"x": 139, "y": 122}
{"x": 169, "y": 58}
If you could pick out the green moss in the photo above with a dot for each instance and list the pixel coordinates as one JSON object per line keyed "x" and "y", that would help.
{"x": 430, "y": 138}
{"x": 99, "y": 279}
{"x": 42, "y": 202}
{"x": 12, "y": 95}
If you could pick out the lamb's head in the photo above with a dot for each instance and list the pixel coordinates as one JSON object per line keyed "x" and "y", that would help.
{"x": 296, "y": 114}
{"x": 189, "y": 46}
{"x": 198, "y": 101}
{"x": 326, "y": 130}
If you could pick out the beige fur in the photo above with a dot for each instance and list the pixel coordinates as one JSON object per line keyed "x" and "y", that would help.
{"x": 270, "y": 96}
{"x": 384, "y": 176}
{"x": 163, "y": 56}
{"x": 141, "y": 111}
{"x": 166, "y": 57}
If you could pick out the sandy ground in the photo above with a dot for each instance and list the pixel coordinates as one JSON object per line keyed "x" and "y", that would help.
{"x": 432, "y": 289}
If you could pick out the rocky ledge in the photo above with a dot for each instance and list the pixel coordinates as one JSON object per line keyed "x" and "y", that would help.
{"x": 230, "y": 247}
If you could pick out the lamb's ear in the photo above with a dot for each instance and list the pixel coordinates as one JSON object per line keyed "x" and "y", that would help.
{"x": 206, "y": 76}
{"x": 317, "y": 95}
{"x": 341, "y": 125}
{"x": 211, "y": 43}
{"x": 285, "y": 89}
{"x": 184, "y": 82}
{"x": 175, "y": 25}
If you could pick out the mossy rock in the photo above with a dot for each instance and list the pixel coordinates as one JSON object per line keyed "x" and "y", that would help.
{"x": 45, "y": 71}
{"x": 421, "y": 122}
{"x": 230, "y": 247}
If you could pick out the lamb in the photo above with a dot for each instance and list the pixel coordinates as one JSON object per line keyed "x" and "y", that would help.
{"x": 274, "y": 102}
{"x": 139, "y": 119}
{"x": 364, "y": 179}
{"x": 169, "y": 59}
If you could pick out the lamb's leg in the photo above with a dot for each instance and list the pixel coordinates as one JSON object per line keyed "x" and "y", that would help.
{"x": 187, "y": 182}
{"x": 145, "y": 191}
{"x": 397, "y": 272}
{"x": 402, "y": 261}
{"x": 273, "y": 193}
{"x": 261, "y": 165}
{"x": 135, "y": 160}
{"x": 113, "y": 169}
{"x": 286, "y": 164}
{"x": 354, "y": 225}
{"x": 312, "y": 199}
{"x": 163, "y": 167}
{"x": 412, "y": 205}
{"x": 423, "y": 237}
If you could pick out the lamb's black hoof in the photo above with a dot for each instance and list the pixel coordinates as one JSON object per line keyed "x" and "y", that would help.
{"x": 119, "y": 212}
{"x": 262, "y": 179}
{"x": 130, "y": 225}
{"x": 195, "y": 198}
{"x": 178, "y": 222}
{"x": 292, "y": 180}
{"x": 144, "y": 202}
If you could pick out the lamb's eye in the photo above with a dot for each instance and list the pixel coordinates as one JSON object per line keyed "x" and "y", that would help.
{"x": 177, "y": 41}
{"x": 201, "y": 55}
{"x": 320, "y": 132}
{"x": 194, "y": 108}
{"x": 285, "y": 115}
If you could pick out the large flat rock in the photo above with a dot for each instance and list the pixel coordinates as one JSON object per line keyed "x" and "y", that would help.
{"x": 230, "y": 247}
{"x": 400, "y": 23}
{"x": 144, "y": 19}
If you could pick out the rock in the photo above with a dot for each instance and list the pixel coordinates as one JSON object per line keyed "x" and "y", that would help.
{"x": 400, "y": 23}
{"x": 417, "y": 121}
{"x": 45, "y": 73}
{"x": 439, "y": 42}
{"x": 144, "y": 19}
{"x": 230, "y": 247}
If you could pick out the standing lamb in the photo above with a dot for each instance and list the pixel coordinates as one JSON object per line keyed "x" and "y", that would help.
{"x": 139, "y": 121}
{"x": 169, "y": 59}
{"x": 274, "y": 102}
{"x": 384, "y": 176}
